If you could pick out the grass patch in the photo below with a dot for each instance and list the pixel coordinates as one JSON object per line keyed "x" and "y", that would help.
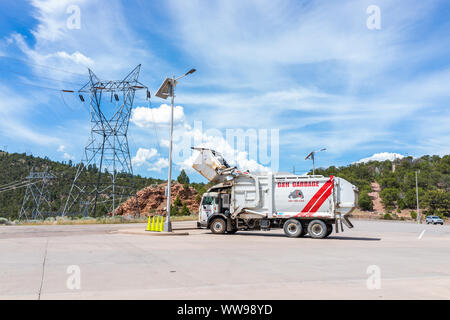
{"x": 99, "y": 220}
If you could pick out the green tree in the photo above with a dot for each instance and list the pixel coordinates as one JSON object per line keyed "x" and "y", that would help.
{"x": 437, "y": 201}
{"x": 184, "y": 210}
{"x": 177, "y": 201}
{"x": 174, "y": 210}
{"x": 364, "y": 202}
{"x": 183, "y": 177}
{"x": 389, "y": 196}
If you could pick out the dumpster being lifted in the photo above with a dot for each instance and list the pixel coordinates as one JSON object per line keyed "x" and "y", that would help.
{"x": 243, "y": 200}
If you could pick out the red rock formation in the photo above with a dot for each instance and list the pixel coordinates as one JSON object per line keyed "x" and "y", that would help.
{"x": 152, "y": 200}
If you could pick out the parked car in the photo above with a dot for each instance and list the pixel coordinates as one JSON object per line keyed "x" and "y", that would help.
{"x": 434, "y": 220}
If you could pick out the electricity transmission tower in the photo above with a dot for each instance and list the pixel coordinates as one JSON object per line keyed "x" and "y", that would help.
{"x": 104, "y": 178}
{"x": 37, "y": 195}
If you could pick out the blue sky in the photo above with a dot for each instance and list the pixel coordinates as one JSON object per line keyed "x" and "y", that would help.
{"x": 311, "y": 69}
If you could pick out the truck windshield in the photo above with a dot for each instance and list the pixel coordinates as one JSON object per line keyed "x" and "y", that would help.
{"x": 210, "y": 200}
{"x": 207, "y": 200}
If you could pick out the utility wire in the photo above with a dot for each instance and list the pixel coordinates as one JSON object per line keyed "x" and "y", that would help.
{"x": 41, "y": 77}
{"x": 16, "y": 187}
{"x": 43, "y": 66}
{"x": 10, "y": 183}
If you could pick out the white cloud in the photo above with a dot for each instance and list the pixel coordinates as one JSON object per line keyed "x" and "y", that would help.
{"x": 143, "y": 156}
{"x": 94, "y": 44}
{"x": 165, "y": 143}
{"x": 68, "y": 156}
{"x": 65, "y": 155}
{"x": 14, "y": 112}
{"x": 160, "y": 164}
{"x": 147, "y": 117}
{"x": 76, "y": 57}
{"x": 383, "y": 156}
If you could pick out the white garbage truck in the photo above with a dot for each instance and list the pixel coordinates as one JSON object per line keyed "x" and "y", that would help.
{"x": 243, "y": 200}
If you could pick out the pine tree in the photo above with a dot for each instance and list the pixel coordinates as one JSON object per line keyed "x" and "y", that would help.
{"x": 183, "y": 177}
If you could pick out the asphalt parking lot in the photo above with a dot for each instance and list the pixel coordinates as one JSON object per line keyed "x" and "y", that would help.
{"x": 375, "y": 260}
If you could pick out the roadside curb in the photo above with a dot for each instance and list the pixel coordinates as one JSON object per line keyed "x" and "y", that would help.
{"x": 150, "y": 233}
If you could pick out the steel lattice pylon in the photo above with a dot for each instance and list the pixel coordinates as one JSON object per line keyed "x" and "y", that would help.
{"x": 107, "y": 153}
{"x": 37, "y": 195}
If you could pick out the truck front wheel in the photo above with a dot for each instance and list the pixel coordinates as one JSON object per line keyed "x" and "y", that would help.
{"x": 293, "y": 228}
{"x": 218, "y": 226}
{"x": 317, "y": 229}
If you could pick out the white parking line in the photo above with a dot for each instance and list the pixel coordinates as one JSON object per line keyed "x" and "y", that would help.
{"x": 421, "y": 234}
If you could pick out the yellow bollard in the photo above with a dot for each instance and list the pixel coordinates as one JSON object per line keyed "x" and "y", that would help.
{"x": 149, "y": 224}
{"x": 157, "y": 224}
{"x": 161, "y": 227}
{"x": 152, "y": 228}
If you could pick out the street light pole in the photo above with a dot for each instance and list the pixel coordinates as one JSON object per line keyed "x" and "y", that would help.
{"x": 168, "y": 223}
{"x": 417, "y": 197}
{"x": 314, "y": 166}
{"x": 311, "y": 156}
{"x": 167, "y": 89}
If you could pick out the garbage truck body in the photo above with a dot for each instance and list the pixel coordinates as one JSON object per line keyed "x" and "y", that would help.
{"x": 307, "y": 204}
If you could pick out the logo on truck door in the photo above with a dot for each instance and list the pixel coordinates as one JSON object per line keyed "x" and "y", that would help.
{"x": 296, "y": 194}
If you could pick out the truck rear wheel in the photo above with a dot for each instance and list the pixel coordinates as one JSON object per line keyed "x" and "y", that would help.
{"x": 293, "y": 228}
{"x": 218, "y": 226}
{"x": 329, "y": 230}
{"x": 317, "y": 229}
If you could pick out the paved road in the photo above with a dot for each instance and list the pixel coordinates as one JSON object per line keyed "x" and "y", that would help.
{"x": 412, "y": 260}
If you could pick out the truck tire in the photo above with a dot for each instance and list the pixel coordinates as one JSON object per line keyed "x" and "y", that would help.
{"x": 317, "y": 229}
{"x": 293, "y": 228}
{"x": 329, "y": 230}
{"x": 218, "y": 226}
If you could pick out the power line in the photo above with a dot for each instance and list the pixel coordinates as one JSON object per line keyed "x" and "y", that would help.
{"x": 18, "y": 186}
{"x": 40, "y": 77}
{"x": 43, "y": 66}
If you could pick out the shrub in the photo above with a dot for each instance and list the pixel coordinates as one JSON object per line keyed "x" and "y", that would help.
{"x": 3, "y": 220}
{"x": 177, "y": 202}
{"x": 173, "y": 210}
{"x": 185, "y": 210}
{"x": 389, "y": 196}
{"x": 413, "y": 215}
{"x": 365, "y": 203}
{"x": 387, "y": 216}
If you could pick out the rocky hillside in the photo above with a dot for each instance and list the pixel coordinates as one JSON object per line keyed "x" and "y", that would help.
{"x": 152, "y": 200}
